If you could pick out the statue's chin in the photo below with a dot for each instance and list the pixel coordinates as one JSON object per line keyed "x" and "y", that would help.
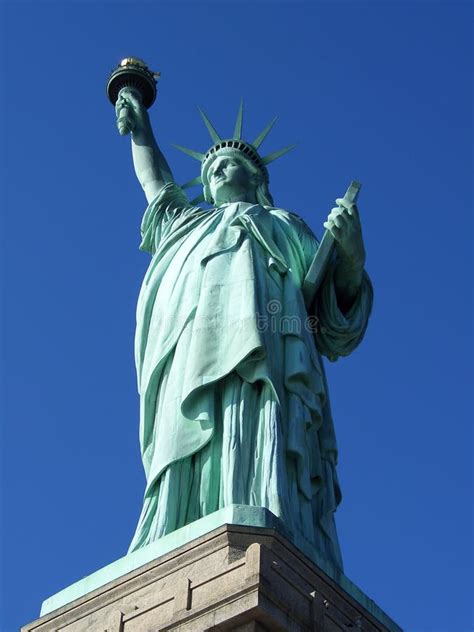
{"x": 226, "y": 194}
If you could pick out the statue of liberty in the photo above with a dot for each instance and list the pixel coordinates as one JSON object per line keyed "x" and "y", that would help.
{"x": 234, "y": 405}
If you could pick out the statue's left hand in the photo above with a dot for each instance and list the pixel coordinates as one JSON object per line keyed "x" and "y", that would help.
{"x": 343, "y": 223}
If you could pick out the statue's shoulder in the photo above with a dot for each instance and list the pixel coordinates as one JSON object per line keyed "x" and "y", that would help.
{"x": 293, "y": 219}
{"x": 171, "y": 195}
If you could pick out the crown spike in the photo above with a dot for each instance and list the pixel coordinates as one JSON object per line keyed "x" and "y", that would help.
{"x": 210, "y": 128}
{"x": 192, "y": 183}
{"x": 261, "y": 137}
{"x": 238, "y": 122}
{"x": 199, "y": 198}
{"x": 197, "y": 155}
{"x": 277, "y": 154}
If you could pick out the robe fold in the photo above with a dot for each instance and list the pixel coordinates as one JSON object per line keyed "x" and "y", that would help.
{"x": 234, "y": 403}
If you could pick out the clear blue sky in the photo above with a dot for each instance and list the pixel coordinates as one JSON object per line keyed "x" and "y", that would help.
{"x": 375, "y": 91}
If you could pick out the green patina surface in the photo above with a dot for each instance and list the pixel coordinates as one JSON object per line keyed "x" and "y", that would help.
{"x": 234, "y": 404}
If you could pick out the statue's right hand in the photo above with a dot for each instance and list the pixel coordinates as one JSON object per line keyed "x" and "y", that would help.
{"x": 131, "y": 113}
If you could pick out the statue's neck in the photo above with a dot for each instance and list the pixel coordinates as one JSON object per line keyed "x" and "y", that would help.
{"x": 237, "y": 196}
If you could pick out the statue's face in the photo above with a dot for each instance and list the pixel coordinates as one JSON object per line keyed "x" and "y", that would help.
{"x": 228, "y": 177}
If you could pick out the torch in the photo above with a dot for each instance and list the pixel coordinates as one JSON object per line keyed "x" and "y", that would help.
{"x": 131, "y": 73}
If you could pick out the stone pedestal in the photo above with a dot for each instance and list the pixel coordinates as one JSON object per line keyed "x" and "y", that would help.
{"x": 240, "y": 578}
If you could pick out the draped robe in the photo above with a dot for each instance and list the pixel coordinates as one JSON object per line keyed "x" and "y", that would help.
{"x": 234, "y": 403}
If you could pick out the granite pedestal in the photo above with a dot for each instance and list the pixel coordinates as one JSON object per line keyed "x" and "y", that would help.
{"x": 232, "y": 577}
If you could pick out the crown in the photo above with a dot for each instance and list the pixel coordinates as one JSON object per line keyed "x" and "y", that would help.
{"x": 231, "y": 145}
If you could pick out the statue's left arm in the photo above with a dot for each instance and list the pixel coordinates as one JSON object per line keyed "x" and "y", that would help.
{"x": 343, "y": 223}
{"x": 344, "y": 301}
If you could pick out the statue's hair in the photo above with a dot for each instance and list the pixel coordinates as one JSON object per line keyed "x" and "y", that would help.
{"x": 262, "y": 192}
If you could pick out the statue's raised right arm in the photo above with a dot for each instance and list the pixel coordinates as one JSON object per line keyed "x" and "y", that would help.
{"x": 151, "y": 167}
